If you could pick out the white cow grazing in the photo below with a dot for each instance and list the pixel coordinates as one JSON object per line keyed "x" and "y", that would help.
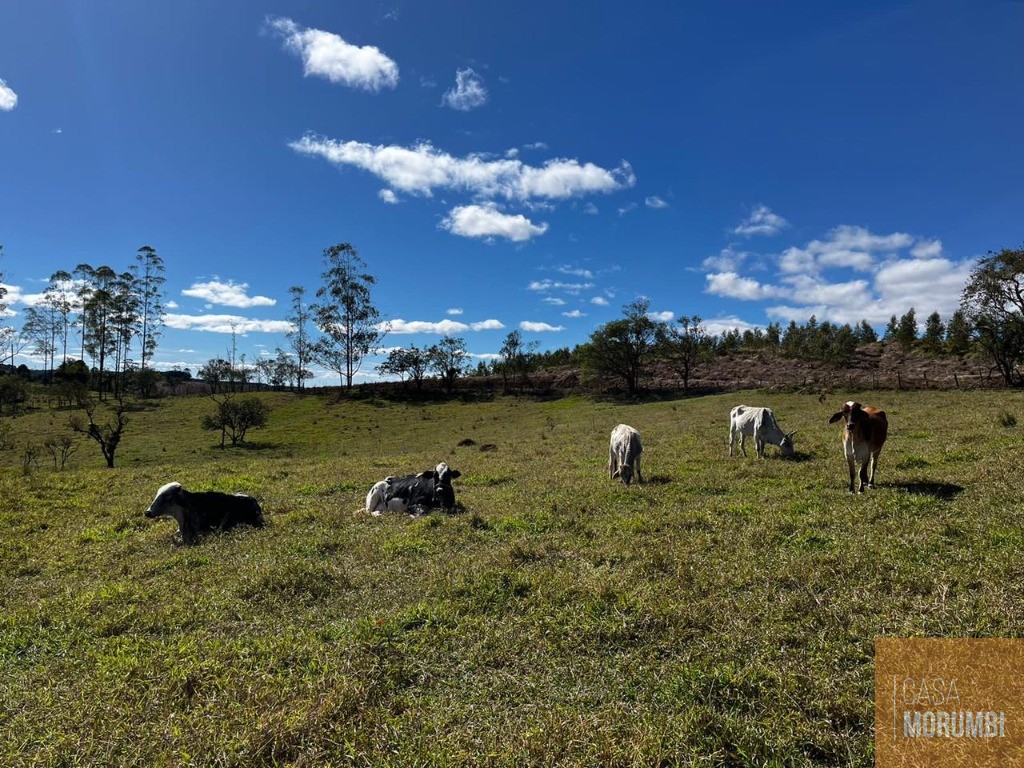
{"x": 759, "y": 423}
{"x": 624, "y": 454}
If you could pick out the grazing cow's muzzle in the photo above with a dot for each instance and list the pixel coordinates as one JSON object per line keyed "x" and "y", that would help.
{"x": 151, "y": 512}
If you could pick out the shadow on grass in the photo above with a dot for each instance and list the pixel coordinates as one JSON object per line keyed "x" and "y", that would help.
{"x": 800, "y": 457}
{"x": 944, "y": 491}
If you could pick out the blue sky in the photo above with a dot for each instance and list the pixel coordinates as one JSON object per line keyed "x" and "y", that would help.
{"x": 532, "y": 165}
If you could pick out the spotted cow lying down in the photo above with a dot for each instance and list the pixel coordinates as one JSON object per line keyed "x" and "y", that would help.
{"x": 415, "y": 494}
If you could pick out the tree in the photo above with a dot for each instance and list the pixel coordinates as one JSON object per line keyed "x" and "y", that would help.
{"x": 934, "y": 330}
{"x": 906, "y": 329}
{"x": 993, "y": 303}
{"x": 517, "y": 358}
{"x": 214, "y": 372}
{"x": 108, "y": 434}
{"x": 234, "y": 417}
{"x": 684, "y": 346}
{"x": 624, "y": 348}
{"x": 60, "y": 296}
{"x": 958, "y": 334}
{"x": 891, "y": 329}
{"x": 148, "y": 274}
{"x": 411, "y": 362}
{"x": 345, "y": 314}
{"x": 448, "y": 360}
{"x": 866, "y": 333}
{"x": 298, "y": 336}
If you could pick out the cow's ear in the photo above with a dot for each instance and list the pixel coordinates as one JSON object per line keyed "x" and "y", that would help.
{"x": 835, "y": 417}
{"x": 455, "y": 473}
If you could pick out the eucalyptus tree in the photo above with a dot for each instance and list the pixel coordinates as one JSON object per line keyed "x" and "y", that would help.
{"x": 298, "y": 336}
{"x": 344, "y": 313}
{"x": 148, "y": 275}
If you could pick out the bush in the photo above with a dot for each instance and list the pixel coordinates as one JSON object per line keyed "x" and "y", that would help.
{"x": 234, "y": 417}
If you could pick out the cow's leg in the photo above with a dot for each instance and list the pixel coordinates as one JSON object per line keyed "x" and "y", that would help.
{"x": 759, "y": 445}
{"x": 864, "y": 474}
{"x": 743, "y": 443}
{"x": 636, "y": 467}
{"x": 853, "y": 474}
{"x": 732, "y": 440}
{"x": 611, "y": 465}
{"x": 874, "y": 466}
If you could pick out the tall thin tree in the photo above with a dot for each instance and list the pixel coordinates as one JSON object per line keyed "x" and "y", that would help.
{"x": 148, "y": 271}
{"x": 298, "y": 337}
{"x": 349, "y": 323}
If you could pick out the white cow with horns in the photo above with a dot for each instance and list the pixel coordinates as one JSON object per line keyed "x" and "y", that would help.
{"x": 760, "y": 423}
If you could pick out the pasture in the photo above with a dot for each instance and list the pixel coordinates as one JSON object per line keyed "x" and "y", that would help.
{"x": 721, "y": 614}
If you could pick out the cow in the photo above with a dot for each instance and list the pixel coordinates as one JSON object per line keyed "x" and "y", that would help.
{"x": 415, "y": 494}
{"x": 760, "y": 423}
{"x": 201, "y": 512}
{"x": 863, "y": 438}
{"x": 624, "y": 454}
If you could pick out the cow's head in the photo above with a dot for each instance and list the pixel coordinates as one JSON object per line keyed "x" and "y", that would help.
{"x": 169, "y": 500}
{"x": 786, "y": 446}
{"x": 850, "y": 414}
{"x": 624, "y": 473}
{"x": 444, "y": 494}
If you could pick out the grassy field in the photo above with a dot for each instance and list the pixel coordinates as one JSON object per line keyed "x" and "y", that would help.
{"x": 722, "y": 614}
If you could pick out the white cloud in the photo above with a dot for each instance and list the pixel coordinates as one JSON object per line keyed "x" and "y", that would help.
{"x": 662, "y": 317}
{"x": 574, "y": 314}
{"x": 388, "y": 196}
{"x": 535, "y": 145}
{"x": 727, "y": 260}
{"x": 224, "y": 323}
{"x": 761, "y": 221}
{"x": 926, "y": 249}
{"x": 554, "y": 301}
{"x": 627, "y": 208}
{"x": 327, "y": 55}
{"x": 487, "y": 221}
{"x": 229, "y": 294}
{"x": 444, "y": 327}
{"x": 567, "y": 269}
{"x": 171, "y": 304}
{"x": 591, "y": 209}
{"x": 547, "y": 284}
{"x": 454, "y": 311}
{"x": 421, "y": 169}
{"x": 600, "y": 301}
{"x": 731, "y": 285}
{"x": 468, "y": 92}
{"x": 8, "y": 98}
{"x": 655, "y": 202}
{"x": 485, "y": 355}
{"x": 845, "y": 246}
{"x": 719, "y": 325}
{"x": 528, "y": 325}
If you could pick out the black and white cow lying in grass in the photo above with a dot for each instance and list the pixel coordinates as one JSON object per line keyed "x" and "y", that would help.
{"x": 205, "y": 511}
{"x": 415, "y": 494}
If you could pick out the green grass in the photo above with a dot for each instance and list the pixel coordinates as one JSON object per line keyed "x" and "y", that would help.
{"x": 723, "y": 614}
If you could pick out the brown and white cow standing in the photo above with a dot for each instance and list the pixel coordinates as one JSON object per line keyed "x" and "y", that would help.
{"x": 863, "y": 438}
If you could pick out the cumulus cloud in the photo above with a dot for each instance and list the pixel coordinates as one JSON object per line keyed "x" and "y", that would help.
{"x": 444, "y": 327}
{"x": 388, "y": 196}
{"x": 225, "y": 324}
{"x": 468, "y": 92}
{"x": 627, "y": 208}
{"x": 528, "y": 325}
{"x": 600, "y": 301}
{"x": 327, "y": 55}
{"x": 574, "y": 314}
{"x": 487, "y": 221}
{"x": 662, "y": 317}
{"x": 229, "y": 294}
{"x": 731, "y": 285}
{"x": 568, "y": 269}
{"x": 8, "y": 98}
{"x": 454, "y": 311}
{"x": 727, "y": 260}
{"x": 761, "y": 221}
{"x": 655, "y": 202}
{"x": 892, "y": 281}
{"x": 421, "y": 169}
{"x": 554, "y": 301}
